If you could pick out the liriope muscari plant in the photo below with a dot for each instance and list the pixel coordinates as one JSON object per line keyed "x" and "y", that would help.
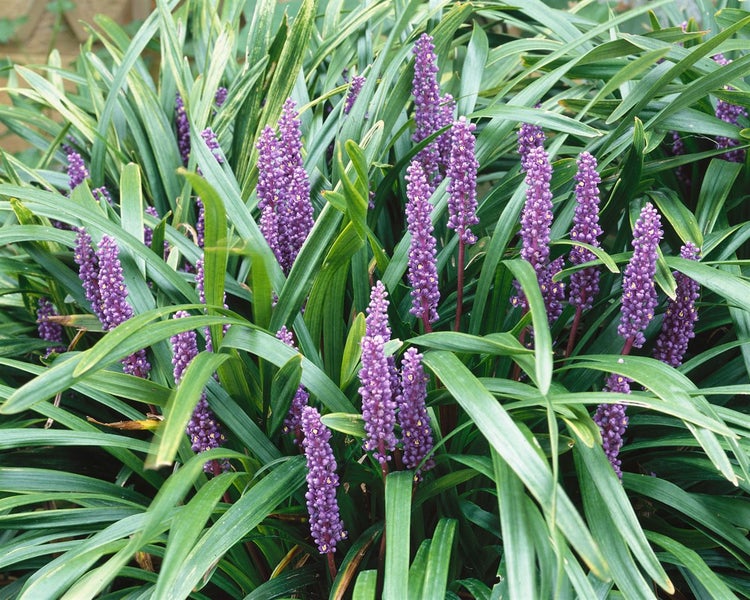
{"x": 376, "y": 419}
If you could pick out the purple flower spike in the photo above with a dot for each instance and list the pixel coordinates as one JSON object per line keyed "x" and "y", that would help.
{"x": 553, "y": 292}
{"x": 203, "y": 430}
{"x": 326, "y": 525}
{"x": 536, "y": 220}
{"x": 529, "y": 137}
{"x": 49, "y": 331}
{"x": 584, "y": 284}
{"x": 729, "y": 113}
{"x": 638, "y": 291}
{"x": 378, "y": 404}
{"x": 293, "y": 423}
{"x": 354, "y": 89}
{"x": 412, "y": 415}
{"x": 284, "y": 189}
{"x": 88, "y": 271}
{"x": 427, "y": 112}
{"x": 298, "y": 213}
{"x": 613, "y": 421}
{"x": 221, "y": 96}
{"x": 115, "y": 309}
{"x": 183, "y": 129}
{"x": 462, "y": 187}
{"x": 679, "y": 320}
{"x": 423, "y": 276}
{"x": 77, "y": 171}
{"x": 209, "y": 136}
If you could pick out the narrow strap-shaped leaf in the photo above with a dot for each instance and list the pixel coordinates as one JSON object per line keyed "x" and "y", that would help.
{"x": 438, "y": 560}
{"x": 397, "y": 532}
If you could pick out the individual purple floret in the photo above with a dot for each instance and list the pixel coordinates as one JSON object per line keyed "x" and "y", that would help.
{"x": 638, "y": 290}
{"x": 354, "y": 89}
{"x": 529, "y": 137}
{"x": 183, "y": 129}
{"x": 584, "y": 284}
{"x": 729, "y": 113}
{"x": 326, "y": 526}
{"x": 284, "y": 189}
{"x": 49, "y": 331}
{"x": 203, "y": 430}
{"x": 88, "y": 271}
{"x": 292, "y": 423}
{"x": 378, "y": 403}
{"x": 221, "y": 96}
{"x": 115, "y": 308}
{"x": 77, "y": 171}
{"x": 680, "y": 317}
{"x": 613, "y": 421}
{"x": 412, "y": 416}
{"x": 462, "y": 187}
{"x": 422, "y": 275}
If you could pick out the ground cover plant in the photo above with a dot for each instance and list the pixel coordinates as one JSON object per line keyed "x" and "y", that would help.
{"x": 393, "y": 299}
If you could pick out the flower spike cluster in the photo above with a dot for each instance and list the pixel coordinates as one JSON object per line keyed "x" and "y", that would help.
{"x": 284, "y": 188}
{"x": 462, "y": 185}
{"x": 355, "y": 87}
{"x": 729, "y": 113}
{"x": 88, "y": 271}
{"x": 422, "y": 275}
{"x": 326, "y": 525}
{"x": 638, "y": 290}
{"x": 432, "y": 111}
{"x": 613, "y": 421}
{"x": 49, "y": 331}
{"x": 536, "y": 221}
{"x": 677, "y": 328}
{"x": 115, "y": 309}
{"x": 378, "y": 403}
{"x": 412, "y": 416}
{"x": 584, "y": 284}
{"x": 203, "y": 430}
{"x": 77, "y": 171}
{"x": 183, "y": 129}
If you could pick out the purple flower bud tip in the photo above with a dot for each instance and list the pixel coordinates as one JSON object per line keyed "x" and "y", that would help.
{"x": 77, "y": 171}
{"x": 529, "y": 137}
{"x": 209, "y": 136}
{"x": 354, "y": 89}
{"x": 422, "y": 275}
{"x": 413, "y": 417}
{"x": 462, "y": 187}
{"x": 221, "y": 96}
{"x": 638, "y": 290}
{"x": 677, "y": 328}
{"x": 326, "y": 526}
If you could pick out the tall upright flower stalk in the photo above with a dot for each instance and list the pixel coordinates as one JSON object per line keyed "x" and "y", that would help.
{"x": 462, "y": 198}
{"x": 326, "y": 526}
{"x": 584, "y": 284}
{"x": 422, "y": 272}
{"x": 416, "y": 433}
{"x": 638, "y": 304}
{"x": 284, "y": 188}
{"x": 378, "y": 402}
{"x": 432, "y": 112}
{"x": 677, "y": 328}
